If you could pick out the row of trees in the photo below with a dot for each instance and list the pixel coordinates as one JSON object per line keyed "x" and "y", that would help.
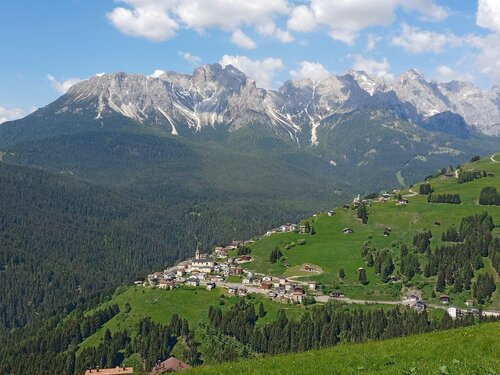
{"x": 324, "y": 326}
{"x": 466, "y": 176}
{"x": 444, "y": 198}
{"x": 425, "y": 189}
{"x": 489, "y": 196}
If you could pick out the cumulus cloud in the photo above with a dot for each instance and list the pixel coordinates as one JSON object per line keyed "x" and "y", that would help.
{"x": 488, "y": 58}
{"x": 149, "y": 19}
{"x": 380, "y": 69}
{"x": 190, "y": 58}
{"x": 345, "y": 19}
{"x": 159, "y": 20}
{"x": 62, "y": 86}
{"x": 302, "y": 19}
{"x": 242, "y": 40}
{"x": 261, "y": 71}
{"x": 415, "y": 40}
{"x": 488, "y": 14}
{"x": 445, "y": 74}
{"x": 307, "y": 69}
{"x": 9, "y": 114}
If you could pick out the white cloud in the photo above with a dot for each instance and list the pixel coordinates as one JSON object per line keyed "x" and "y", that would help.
{"x": 9, "y": 114}
{"x": 380, "y": 69}
{"x": 62, "y": 86}
{"x": 242, "y": 40}
{"x": 261, "y": 71}
{"x": 488, "y": 59}
{"x": 190, "y": 58}
{"x": 488, "y": 14}
{"x": 307, "y": 69}
{"x": 345, "y": 19}
{"x": 302, "y": 19}
{"x": 157, "y": 73}
{"x": 427, "y": 8}
{"x": 229, "y": 15}
{"x": 149, "y": 19}
{"x": 445, "y": 74}
{"x": 159, "y": 20}
{"x": 415, "y": 40}
{"x": 371, "y": 41}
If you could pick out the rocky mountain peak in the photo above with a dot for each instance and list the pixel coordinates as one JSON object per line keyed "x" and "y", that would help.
{"x": 412, "y": 75}
{"x": 214, "y": 95}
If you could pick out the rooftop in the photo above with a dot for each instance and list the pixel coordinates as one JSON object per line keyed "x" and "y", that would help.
{"x": 111, "y": 371}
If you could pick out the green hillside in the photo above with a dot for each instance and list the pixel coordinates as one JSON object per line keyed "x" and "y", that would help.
{"x": 471, "y": 350}
{"x": 329, "y": 249}
{"x": 189, "y": 303}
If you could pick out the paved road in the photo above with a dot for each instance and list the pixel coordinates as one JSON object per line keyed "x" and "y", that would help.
{"x": 326, "y": 298}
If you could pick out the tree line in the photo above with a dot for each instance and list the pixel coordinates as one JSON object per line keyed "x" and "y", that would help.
{"x": 444, "y": 198}
{"x": 324, "y": 326}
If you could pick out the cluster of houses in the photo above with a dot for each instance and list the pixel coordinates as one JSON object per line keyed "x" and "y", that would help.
{"x": 383, "y": 198}
{"x": 201, "y": 268}
{"x": 204, "y": 270}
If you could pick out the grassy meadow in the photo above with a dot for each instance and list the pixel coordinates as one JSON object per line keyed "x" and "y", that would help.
{"x": 471, "y": 350}
{"x": 329, "y": 249}
{"x": 188, "y": 302}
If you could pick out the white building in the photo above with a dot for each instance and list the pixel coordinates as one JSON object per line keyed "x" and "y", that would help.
{"x": 454, "y": 312}
{"x": 193, "y": 281}
{"x": 204, "y": 265}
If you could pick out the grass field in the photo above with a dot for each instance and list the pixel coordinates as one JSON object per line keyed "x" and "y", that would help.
{"x": 331, "y": 250}
{"x": 471, "y": 350}
{"x": 189, "y": 303}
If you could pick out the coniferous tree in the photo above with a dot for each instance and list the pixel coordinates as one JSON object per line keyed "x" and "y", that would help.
{"x": 362, "y": 276}
{"x": 440, "y": 284}
{"x": 362, "y": 213}
{"x": 262, "y": 311}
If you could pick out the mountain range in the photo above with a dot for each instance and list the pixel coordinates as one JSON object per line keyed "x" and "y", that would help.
{"x": 214, "y": 96}
{"x": 354, "y": 128}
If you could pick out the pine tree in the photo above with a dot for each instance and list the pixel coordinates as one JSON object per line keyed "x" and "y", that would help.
{"x": 262, "y": 312}
{"x": 362, "y": 276}
{"x": 440, "y": 284}
{"x": 362, "y": 213}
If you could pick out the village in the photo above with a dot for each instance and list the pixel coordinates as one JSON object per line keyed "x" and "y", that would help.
{"x": 221, "y": 269}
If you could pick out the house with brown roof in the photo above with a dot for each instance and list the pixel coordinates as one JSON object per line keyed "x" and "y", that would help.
{"x": 444, "y": 299}
{"x": 170, "y": 365}
{"x": 298, "y": 294}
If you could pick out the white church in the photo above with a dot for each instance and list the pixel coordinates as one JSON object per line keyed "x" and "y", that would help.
{"x": 203, "y": 265}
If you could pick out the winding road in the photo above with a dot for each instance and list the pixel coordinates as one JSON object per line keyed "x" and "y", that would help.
{"x": 326, "y": 298}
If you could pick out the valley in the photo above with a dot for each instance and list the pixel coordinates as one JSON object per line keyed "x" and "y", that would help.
{"x": 311, "y": 263}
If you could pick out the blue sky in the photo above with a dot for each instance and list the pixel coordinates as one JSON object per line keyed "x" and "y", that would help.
{"x": 48, "y": 45}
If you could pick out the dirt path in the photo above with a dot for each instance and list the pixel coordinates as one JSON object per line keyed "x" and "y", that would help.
{"x": 413, "y": 193}
{"x": 492, "y": 158}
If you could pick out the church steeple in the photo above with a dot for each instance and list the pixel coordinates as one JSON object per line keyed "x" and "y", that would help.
{"x": 197, "y": 253}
